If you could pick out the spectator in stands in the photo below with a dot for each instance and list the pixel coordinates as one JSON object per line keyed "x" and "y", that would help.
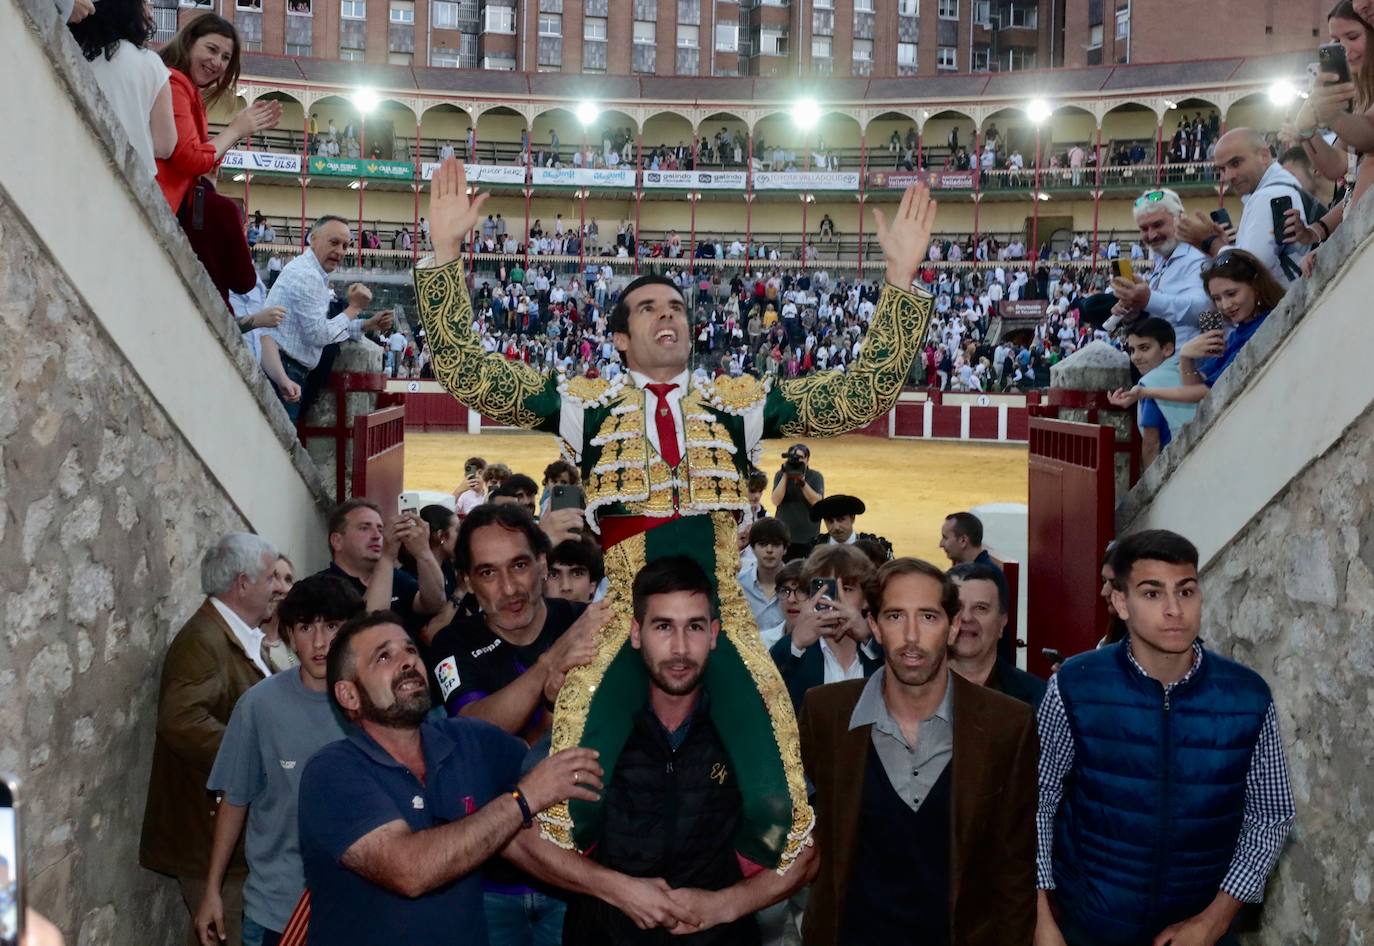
{"x": 830, "y": 639}
{"x": 1245, "y": 292}
{"x": 397, "y": 818}
{"x": 367, "y": 554}
{"x": 472, "y": 491}
{"x": 519, "y": 489}
{"x": 897, "y": 760}
{"x": 976, "y": 632}
{"x": 672, "y": 809}
{"x": 1130, "y": 795}
{"x": 203, "y": 62}
{"x": 961, "y": 538}
{"x": 558, "y": 473}
{"x": 769, "y": 541}
{"x": 443, "y": 536}
{"x": 576, "y": 570}
{"x": 114, "y": 40}
{"x": 276, "y": 646}
{"x": 303, "y": 290}
{"x": 1150, "y": 343}
{"x": 212, "y": 661}
{"x": 1248, "y": 169}
{"x": 1174, "y": 291}
{"x": 274, "y": 729}
{"x": 796, "y": 488}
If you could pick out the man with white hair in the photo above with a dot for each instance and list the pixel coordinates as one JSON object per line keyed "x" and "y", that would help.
{"x": 212, "y": 661}
{"x": 1174, "y": 292}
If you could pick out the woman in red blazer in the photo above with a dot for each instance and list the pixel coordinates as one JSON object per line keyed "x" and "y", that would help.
{"x": 203, "y": 60}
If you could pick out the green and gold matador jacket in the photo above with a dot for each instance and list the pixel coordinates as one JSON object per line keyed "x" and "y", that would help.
{"x": 602, "y": 427}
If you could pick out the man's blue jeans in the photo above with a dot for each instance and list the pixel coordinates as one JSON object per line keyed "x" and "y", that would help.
{"x": 523, "y": 919}
{"x": 255, "y": 934}
{"x": 297, "y": 372}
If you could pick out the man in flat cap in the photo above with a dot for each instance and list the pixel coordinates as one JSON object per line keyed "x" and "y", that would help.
{"x": 838, "y": 513}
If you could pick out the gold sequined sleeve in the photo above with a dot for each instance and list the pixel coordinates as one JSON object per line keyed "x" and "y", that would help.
{"x": 829, "y": 403}
{"x": 509, "y": 392}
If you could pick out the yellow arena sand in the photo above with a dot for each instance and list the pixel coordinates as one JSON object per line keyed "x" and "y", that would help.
{"x": 909, "y": 486}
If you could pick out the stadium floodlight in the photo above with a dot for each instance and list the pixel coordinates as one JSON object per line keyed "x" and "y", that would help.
{"x": 366, "y": 100}
{"x": 806, "y": 114}
{"x": 1283, "y": 93}
{"x": 587, "y": 113}
{"x": 1038, "y": 111}
{"x": 1170, "y": 104}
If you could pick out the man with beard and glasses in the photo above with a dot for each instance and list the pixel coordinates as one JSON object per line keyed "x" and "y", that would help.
{"x": 924, "y": 786}
{"x": 672, "y": 810}
{"x": 1174, "y": 291}
{"x": 397, "y": 818}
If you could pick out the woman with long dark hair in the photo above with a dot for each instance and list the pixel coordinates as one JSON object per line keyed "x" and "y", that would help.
{"x": 203, "y": 59}
{"x": 114, "y": 40}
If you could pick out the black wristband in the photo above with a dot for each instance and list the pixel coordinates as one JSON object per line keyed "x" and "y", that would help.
{"x": 1207, "y": 244}
{"x": 526, "y": 817}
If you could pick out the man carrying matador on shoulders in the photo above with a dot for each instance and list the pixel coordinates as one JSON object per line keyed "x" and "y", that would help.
{"x": 665, "y": 463}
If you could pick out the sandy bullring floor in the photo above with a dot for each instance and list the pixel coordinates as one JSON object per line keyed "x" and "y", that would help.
{"x": 909, "y": 485}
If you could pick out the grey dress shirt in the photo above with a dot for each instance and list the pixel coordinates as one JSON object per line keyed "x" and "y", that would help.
{"x": 912, "y": 770}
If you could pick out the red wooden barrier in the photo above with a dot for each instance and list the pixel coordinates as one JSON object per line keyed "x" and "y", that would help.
{"x": 379, "y": 457}
{"x": 1072, "y": 500}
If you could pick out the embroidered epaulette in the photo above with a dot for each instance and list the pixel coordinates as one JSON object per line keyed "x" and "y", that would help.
{"x": 733, "y": 395}
{"x": 592, "y": 392}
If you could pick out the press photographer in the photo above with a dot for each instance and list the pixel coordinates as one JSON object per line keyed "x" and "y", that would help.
{"x": 796, "y": 488}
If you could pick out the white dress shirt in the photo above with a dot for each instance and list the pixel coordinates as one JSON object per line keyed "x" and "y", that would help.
{"x": 1256, "y": 231}
{"x": 249, "y": 638}
{"x": 1177, "y": 294}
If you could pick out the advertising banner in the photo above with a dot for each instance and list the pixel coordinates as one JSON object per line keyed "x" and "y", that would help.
{"x": 584, "y": 177}
{"x": 937, "y": 180}
{"x": 806, "y": 180}
{"x": 696, "y": 180}
{"x": 482, "y": 173}
{"x": 1024, "y": 309}
{"x": 361, "y": 167}
{"x": 261, "y": 161}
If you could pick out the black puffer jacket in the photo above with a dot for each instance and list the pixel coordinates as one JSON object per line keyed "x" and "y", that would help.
{"x": 670, "y": 814}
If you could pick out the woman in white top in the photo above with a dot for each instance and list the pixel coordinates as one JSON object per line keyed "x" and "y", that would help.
{"x": 114, "y": 40}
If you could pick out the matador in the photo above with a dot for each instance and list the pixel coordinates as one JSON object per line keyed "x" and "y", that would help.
{"x": 665, "y": 462}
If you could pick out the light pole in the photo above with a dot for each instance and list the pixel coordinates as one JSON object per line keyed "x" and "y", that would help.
{"x": 365, "y": 100}
{"x": 1038, "y": 111}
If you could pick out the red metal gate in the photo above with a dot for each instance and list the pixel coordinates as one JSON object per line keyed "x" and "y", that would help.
{"x": 1072, "y": 500}
{"x": 379, "y": 457}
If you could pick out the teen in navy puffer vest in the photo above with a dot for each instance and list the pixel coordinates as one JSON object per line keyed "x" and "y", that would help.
{"x": 1154, "y": 805}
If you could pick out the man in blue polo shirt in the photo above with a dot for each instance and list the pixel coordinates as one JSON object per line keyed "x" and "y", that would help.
{"x": 397, "y": 819}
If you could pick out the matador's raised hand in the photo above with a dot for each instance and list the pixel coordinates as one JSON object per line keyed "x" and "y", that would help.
{"x": 906, "y": 239}
{"x": 452, "y": 212}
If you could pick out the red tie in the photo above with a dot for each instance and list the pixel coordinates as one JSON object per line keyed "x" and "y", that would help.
{"x": 667, "y": 430}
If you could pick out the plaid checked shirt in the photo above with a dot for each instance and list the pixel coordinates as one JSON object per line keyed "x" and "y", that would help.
{"x": 1269, "y": 810}
{"x": 303, "y": 290}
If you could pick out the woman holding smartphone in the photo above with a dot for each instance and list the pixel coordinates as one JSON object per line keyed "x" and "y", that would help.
{"x": 1244, "y": 292}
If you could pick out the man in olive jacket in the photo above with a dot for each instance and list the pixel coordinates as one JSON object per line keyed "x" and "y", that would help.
{"x": 213, "y": 660}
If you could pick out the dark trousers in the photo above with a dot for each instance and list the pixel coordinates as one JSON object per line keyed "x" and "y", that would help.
{"x": 1074, "y": 936}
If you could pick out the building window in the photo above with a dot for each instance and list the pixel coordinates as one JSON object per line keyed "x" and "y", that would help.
{"x": 594, "y": 56}
{"x": 823, "y": 4}
{"x": 948, "y": 58}
{"x": 596, "y": 8}
{"x": 1095, "y": 37}
{"x": 688, "y": 37}
{"x": 498, "y": 63}
{"x": 550, "y": 24}
{"x": 468, "y": 51}
{"x": 646, "y": 32}
{"x": 399, "y": 59}
{"x": 863, "y": 50}
{"x": 550, "y": 49}
{"x": 981, "y": 59}
{"x": 863, "y": 6}
{"x": 165, "y": 21}
{"x": 351, "y": 55}
{"x": 248, "y": 5}
{"x": 727, "y": 37}
{"x": 1023, "y": 17}
{"x": 646, "y": 11}
{"x": 907, "y": 7}
{"x": 1123, "y": 23}
{"x": 299, "y": 7}
{"x": 823, "y": 22}
{"x": 688, "y": 61}
{"x": 906, "y": 56}
{"x": 444, "y": 60}
{"x": 821, "y": 47}
{"x": 689, "y": 11}
{"x": 353, "y": 9}
{"x": 550, "y": 6}
{"x": 645, "y": 58}
{"x": 196, "y": 3}
{"x": 948, "y": 9}
{"x": 499, "y": 19}
{"x": 772, "y": 43}
{"x": 1019, "y": 59}
{"x": 443, "y": 15}
{"x": 296, "y": 50}
{"x": 402, "y": 11}
{"x": 982, "y": 13}
{"x": 594, "y": 28}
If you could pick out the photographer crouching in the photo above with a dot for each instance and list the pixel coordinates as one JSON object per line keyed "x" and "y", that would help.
{"x": 796, "y": 488}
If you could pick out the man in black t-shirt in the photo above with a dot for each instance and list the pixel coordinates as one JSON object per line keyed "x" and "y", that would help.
{"x": 505, "y": 665}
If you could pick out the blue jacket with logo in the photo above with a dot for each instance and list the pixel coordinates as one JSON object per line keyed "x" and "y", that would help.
{"x": 1154, "y": 805}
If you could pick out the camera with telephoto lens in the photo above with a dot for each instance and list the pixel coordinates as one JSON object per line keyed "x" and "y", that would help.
{"x": 794, "y": 462}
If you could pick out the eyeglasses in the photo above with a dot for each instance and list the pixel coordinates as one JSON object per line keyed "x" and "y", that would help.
{"x": 1150, "y": 197}
{"x": 790, "y": 591}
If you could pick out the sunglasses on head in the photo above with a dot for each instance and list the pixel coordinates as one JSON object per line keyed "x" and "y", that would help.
{"x": 1231, "y": 258}
{"x": 1150, "y": 197}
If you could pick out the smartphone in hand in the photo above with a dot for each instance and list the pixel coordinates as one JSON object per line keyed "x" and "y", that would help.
{"x": 1221, "y": 217}
{"x": 1278, "y": 212}
{"x": 828, "y": 588}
